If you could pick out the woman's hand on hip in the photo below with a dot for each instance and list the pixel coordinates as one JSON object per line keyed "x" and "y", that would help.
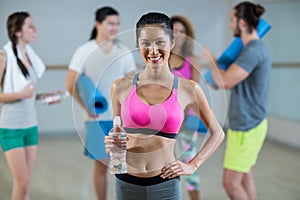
{"x": 177, "y": 168}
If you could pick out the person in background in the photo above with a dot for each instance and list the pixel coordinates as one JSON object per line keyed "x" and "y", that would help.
{"x": 151, "y": 105}
{"x": 20, "y": 67}
{"x": 249, "y": 79}
{"x": 102, "y": 59}
{"x": 184, "y": 63}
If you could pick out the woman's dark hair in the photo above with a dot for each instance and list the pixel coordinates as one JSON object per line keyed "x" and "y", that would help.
{"x": 14, "y": 24}
{"x": 188, "y": 46}
{"x": 249, "y": 12}
{"x": 100, "y": 16}
{"x": 155, "y": 18}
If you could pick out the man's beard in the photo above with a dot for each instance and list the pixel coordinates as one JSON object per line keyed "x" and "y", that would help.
{"x": 237, "y": 32}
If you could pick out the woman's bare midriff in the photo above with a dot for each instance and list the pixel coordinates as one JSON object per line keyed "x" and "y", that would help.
{"x": 148, "y": 154}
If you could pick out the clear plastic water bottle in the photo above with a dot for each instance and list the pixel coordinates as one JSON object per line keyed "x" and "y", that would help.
{"x": 118, "y": 151}
{"x": 54, "y": 98}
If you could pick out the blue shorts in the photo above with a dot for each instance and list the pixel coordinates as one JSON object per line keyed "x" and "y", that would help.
{"x": 94, "y": 140}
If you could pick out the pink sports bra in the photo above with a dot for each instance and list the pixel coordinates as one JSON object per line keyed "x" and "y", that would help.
{"x": 185, "y": 71}
{"x": 163, "y": 119}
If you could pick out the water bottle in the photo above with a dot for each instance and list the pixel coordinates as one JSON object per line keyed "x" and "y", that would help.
{"x": 54, "y": 98}
{"x": 118, "y": 151}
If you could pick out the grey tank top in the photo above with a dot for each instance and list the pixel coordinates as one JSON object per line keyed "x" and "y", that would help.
{"x": 20, "y": 114}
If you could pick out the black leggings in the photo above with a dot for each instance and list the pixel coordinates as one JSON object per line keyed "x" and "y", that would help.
{"x": 163, "y": 190}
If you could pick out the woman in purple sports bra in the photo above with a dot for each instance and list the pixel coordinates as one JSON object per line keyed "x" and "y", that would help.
{"x": 151, "y": 105}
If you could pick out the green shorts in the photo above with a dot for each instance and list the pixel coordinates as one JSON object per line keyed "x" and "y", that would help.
{"x": 16, "y": 138}
{"x": 243, "y": 147}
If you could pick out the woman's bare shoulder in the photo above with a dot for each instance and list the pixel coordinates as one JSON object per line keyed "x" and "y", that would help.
{"x": 195, "y": 60}
{"x": 186, "y": 84}
{"x": 195, "y": 57}
{"x": 123, "y": 83}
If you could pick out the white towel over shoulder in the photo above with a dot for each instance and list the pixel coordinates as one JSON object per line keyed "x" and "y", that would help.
{"x": 14, "y": 80}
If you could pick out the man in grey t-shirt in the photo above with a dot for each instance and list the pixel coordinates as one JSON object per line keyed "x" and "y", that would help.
{"x": 248, "y": 78}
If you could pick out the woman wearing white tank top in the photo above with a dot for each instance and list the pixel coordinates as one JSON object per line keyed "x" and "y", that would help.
{"x": 19, "y": 69}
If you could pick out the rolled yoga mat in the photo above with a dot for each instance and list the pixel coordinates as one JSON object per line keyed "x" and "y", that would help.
{"x": 233, "y": 50}
{"x": 91, "y": 96}
{"x": 193, "y": 123}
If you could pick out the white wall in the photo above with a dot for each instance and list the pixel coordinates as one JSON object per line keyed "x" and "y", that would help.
{"x": 63, "y": 25}
{"x": 55, "y": 119}
{"x": 283, "y": 41}
{"x": 285, "y": 94}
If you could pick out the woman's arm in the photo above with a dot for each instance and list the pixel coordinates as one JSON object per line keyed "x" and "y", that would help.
{"x": 27, "y": 92}
{"x": 119, "y": 91}
{"x": 201, "y": 107}
{"x": 225, "y": 79}
{"x": 195, "y": 63}
{"x": 115, "y": 93}
{"x": 71, "y": 80}
{"x": 204, "y": 112}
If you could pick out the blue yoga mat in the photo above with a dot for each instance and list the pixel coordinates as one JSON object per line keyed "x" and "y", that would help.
{"x": 193, "y": 123}
{"x": 233, "y": 50}
{"x": 91, "y": 96}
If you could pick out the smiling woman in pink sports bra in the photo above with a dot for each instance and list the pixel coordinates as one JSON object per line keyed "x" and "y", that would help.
{"x": 151, "y": 105}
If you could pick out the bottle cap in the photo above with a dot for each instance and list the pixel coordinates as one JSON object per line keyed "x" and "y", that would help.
{"x": 66, "y": 94}
{"x": 117, "y": 120}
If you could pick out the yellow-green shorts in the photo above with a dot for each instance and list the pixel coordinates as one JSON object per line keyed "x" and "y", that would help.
{"x": 243, "y": 147}
{"x": 18, "y": 138}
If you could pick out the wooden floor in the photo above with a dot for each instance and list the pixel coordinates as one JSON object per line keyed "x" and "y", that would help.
{"x": 63, "y": 173}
